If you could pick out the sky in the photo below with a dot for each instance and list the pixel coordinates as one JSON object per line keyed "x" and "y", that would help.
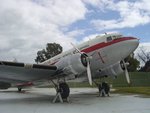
{"x": 27, "y": 25}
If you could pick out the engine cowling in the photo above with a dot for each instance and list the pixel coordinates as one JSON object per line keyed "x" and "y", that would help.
{"x": 73, "y": 64}
{"x": 117, "y": 68}
{"x": 113, "y": 70}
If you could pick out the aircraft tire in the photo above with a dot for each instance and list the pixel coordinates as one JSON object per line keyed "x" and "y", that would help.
{"x": 64, "y": 90}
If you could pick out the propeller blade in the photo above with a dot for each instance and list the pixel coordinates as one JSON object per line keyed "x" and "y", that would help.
{"x": 89, "y": 73}
{"x": 76, "y": 48}
{"x": 127, "y": 76}
{"x": 88, "y": 64}
{"x": 126, "y": 72}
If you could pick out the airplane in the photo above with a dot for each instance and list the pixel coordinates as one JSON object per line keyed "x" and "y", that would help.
{"x": 100, "y": 57}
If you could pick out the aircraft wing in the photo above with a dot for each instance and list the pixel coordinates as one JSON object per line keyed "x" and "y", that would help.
{"x": 14, "y": 72}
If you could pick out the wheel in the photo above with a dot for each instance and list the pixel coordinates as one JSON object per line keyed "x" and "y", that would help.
{"x": 19, "y": 89}
{"x": 64, "y": 90}
{"x": 107, "y": 88}
{"x": 99, "y": 87}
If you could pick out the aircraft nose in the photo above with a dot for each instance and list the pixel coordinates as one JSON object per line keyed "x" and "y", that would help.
{"x": 131, "y": 44}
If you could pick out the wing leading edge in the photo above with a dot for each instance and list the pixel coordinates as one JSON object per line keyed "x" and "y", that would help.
{"x": 14, "y": 72}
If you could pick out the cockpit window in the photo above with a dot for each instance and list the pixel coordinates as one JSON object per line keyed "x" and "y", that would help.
{"x": 109, "y": 39}
{"x": 114, "y": 37}
{"x": 117, "y": 36}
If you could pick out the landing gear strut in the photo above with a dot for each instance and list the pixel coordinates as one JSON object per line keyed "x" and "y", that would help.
{"x": 19, "y": 89}
{"x": 104, "y": 89}
{"x": 62, "y": 92}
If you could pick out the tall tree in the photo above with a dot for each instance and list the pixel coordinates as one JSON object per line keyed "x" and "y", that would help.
{"x": 51, "y": 50}
{"x": 41, "y": 56}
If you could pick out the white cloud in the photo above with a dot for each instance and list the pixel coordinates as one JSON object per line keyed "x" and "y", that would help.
{"x": 27, "y": 25}
{"x": 92, "y": 36}
{"x": 131, "y": 14}
{"x": 87, "y": 38}
{"x": 76, "y": 32}
{"x": 145, "y": 46}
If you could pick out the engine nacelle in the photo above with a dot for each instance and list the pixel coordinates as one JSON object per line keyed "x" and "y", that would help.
{"x": 4, "y": 85}
{"x": 113, "y": 70}
{"x": 73, "y": 64}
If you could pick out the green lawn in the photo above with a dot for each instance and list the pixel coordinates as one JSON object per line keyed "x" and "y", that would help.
{"x": 140, "y": 83}
{"x": 133, "y": 90}
{"x": 138, "y": 79}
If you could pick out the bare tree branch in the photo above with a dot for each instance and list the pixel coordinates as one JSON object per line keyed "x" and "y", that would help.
{"x": 142, "y": 58}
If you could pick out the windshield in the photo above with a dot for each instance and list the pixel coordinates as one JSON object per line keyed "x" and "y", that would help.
{"x": 109, "y": 39}
{"x": 117, "y": 36}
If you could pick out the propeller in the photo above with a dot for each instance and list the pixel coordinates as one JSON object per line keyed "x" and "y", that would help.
{"x": 88, "y": 64}
{"x": 89, "y": 72}
{"x": 126, "y": 72}
{"x": 76, "y": 48}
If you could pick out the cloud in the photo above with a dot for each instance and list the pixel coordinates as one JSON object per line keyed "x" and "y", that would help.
{"x": 27, "y": 25}
{"x": 76, "y": 32}
{"x": 87, "y": 38}
{"x": 92, "y": 36}
{"x": 144, "y": 46}
{"x": 131, "y": 14}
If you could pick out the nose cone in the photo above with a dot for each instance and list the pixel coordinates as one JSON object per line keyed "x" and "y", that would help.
{"x": 130, "y": 45}
{"x": 133, "y": 43}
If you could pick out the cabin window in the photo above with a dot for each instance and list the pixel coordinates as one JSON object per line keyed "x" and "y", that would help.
{"x": 109, "y": 39}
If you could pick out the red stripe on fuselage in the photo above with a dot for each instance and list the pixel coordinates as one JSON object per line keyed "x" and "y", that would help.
{"x": 104, "y": 44}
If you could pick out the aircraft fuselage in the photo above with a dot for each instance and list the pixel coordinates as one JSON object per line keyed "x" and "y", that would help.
{"x": 104, "y": 50}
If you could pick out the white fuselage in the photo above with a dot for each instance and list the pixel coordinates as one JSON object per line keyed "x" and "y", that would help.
{"x": 105, "y": 50}
{"x": 104, "y": 53}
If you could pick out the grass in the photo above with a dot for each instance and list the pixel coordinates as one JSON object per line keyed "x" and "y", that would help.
{"x": 138, "y": 79}
{"x": 140, "y": 83}
{"x": 133, "y": 90}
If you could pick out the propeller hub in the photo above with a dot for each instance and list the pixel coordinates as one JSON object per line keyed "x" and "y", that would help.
{"x": 122, "y": 65}
{"x": 84, "y": 59}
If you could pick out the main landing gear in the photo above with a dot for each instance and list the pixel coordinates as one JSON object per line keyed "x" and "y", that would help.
{"x": 19, "y": 89}
{"x": 62, "y": 92}
{"x": 104, "y": 89}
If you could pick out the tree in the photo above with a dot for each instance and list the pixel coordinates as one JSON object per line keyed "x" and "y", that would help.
{"x": 146, "y": 67}
{"x": 145, "y": 58}
{"x": 52, "y": 49}
{"x": 143, "y": 55}
{"x": 133, "y": 63}
{"x": 41, "y": 56}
